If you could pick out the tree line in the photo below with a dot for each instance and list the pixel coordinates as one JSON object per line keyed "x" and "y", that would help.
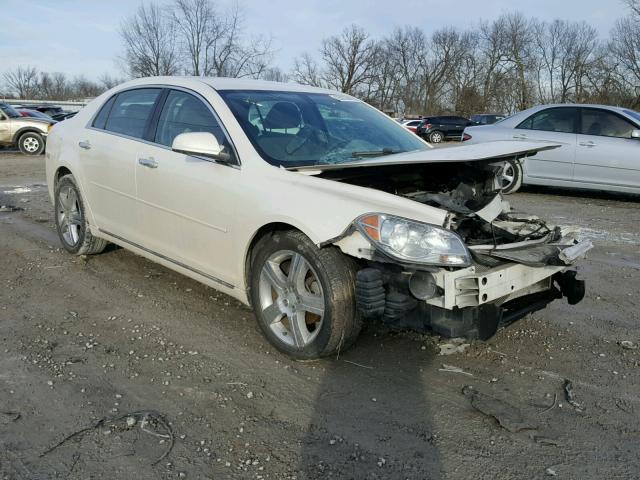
{"x": 503, "y": 65}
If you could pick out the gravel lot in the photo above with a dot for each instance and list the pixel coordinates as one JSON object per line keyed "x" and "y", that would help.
{"x": 83, "y": 339}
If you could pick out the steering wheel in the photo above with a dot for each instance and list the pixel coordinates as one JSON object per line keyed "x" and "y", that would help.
{"x": 304, "y": 135}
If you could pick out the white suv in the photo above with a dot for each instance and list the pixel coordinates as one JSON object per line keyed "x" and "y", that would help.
{"x": 307, "y": 204}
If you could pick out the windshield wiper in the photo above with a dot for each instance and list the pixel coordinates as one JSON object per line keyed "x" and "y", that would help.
{"x": 375, "y": 153}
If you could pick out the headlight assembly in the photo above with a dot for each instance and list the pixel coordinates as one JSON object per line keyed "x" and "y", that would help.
{"x": 414, "y": 242}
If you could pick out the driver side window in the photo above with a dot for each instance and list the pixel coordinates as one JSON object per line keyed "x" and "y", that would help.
{"x": 185, "y": 113}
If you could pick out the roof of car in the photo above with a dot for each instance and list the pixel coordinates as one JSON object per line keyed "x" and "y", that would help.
{"x": 224, "y": 83}
{"x": 587, "y": 105}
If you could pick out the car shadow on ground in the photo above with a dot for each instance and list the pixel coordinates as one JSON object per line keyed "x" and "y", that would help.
{"x": 372, "y": 417}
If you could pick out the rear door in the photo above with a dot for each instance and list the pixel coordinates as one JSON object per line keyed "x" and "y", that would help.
{"x": 458, "y": 124}
{"x": 552, "y": 125}
{"x": 187, "y": 204}
{"x": 606, "y": 153}
{"x": 446, "y": 125}
{"x": 108, "y": 150}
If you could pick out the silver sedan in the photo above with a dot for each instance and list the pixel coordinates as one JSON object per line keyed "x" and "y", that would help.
{"x": 600, "y": 147}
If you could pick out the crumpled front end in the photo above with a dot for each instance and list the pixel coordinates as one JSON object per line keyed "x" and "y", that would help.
{"x": 519, "y": 263}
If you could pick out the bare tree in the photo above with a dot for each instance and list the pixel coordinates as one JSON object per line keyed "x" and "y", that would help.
{"x": 83, "y": 88}
{"x": 275, "y": 74}
{"x": 565, "y": 51}
{"x": 624, "y": 46}
{"x": 214, "y": 42}
{"x": 106, "y": 81}
{"x": 518, "y": 38}
{"x": 22, "y": 81}
{"x": 149, "y": 38}
{"x": 634, "y": 6}
{"x": 350, "y": 59}
{"x": 53, "y": 86}
{"x": 307, "y": 71}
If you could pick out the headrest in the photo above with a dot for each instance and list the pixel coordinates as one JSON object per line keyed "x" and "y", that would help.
{"x": 283, "y": 115}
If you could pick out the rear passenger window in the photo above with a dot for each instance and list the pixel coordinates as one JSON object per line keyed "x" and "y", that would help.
{"x": 101, "y": 118}
{"x": 605, "y": 124}
{"x": 183, "y": 113}
{"x": 131, "y": 111}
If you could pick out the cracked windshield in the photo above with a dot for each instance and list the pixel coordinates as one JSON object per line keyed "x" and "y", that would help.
{"x": 298, "y": 129}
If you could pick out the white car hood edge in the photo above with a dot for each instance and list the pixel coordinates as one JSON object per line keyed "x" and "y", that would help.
{"x": 499, "y": 150}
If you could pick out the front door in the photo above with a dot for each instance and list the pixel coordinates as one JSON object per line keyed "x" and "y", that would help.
{"x": 5, "y": 129}
{"x": 606, "y": 153}
{"x": 553, "y": 125}
{"x": 186, "y": 204}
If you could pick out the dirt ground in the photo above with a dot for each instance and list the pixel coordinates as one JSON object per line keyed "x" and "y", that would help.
{"x": 84, "y": 339}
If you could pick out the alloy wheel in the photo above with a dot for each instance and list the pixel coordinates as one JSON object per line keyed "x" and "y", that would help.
{"x": 291, "y": 298}
{"x": 507, "y": 176}
{"x": 69, "y": 216}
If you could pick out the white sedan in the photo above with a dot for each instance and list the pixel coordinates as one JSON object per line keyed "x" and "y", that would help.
{"x": 309, "y": 205}
{"x": 599, "y": 147}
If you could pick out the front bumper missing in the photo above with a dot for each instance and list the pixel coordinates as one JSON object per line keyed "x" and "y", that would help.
{"x": 475, "y": 286}
{"x": 472, "y": 302}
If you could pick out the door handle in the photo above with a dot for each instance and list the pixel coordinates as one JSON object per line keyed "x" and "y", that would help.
{"x": 84, "y": 144}
{"x": 587, "y": 144}
{"x": 148, "y": 162}
{"x": 520, "y": 137}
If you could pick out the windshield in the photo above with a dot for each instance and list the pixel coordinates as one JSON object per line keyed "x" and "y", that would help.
{"x": 297, "y": 129}
{"x": 633, "y": 114}
{"x": 9, "y": 111}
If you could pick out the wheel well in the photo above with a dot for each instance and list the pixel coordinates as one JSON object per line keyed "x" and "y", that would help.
{"x": 268, "y": 229}
{"x": 62, "y": 171}
{"x": 21, "y": 132}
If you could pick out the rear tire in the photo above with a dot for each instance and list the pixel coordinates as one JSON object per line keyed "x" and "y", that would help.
{"x": 31, "y": 143}
{"x": 71, "y": 220}
{"x": 303, "y": 297}
{"x": 511, "y": 177}
{"x": 436, "y": 137}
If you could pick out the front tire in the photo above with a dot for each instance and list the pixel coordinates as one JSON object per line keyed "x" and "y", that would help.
{"x": 511, "y": 177}
{"x": 71, "y": 220}
{"x": 303, "y": 296}
{"x": 31, "y": 143}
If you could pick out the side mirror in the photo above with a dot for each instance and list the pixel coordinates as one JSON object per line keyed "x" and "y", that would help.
{"x": 202, "y": 144}
{"x": 635, "y": 134}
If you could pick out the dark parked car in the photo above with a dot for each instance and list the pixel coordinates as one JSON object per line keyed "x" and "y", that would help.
{"x": 487, "y": 118}
{"x": 50, "y": 110}
{"x": 437, "y": 129}
{"x": 63, "y": 116}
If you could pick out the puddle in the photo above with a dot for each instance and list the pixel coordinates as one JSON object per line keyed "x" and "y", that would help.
{"x": 20, "y": 189}
{"x": 627, "y": 238}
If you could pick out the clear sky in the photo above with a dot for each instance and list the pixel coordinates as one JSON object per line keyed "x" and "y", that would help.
{"x": 81, "y": 37}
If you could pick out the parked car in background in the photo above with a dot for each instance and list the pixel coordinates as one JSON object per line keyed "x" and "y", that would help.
{"x": 411, "y": 125}
{"x": 487, "y": 118}
{"x": 439, "y": 128}
{"x": 29, "y": 134}
{"x": 25, "y": 112}
{"x": 600, "y": 147}
{"x": 309, "y": 205}
{"x": 50, "y": 110}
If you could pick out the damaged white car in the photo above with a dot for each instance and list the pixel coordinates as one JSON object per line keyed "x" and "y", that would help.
{"x": 309, "y": 205}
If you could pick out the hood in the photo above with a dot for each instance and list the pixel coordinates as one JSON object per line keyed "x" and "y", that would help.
{"x": 489, "y": 151}
{"x": 34, "y": 120}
